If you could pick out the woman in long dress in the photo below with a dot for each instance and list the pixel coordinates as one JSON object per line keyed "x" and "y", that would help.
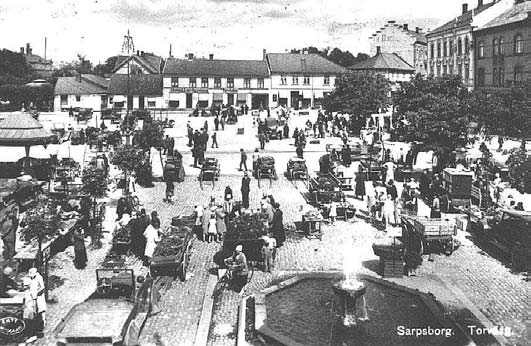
{"x": 360, "y": 184}
{"x": 36, "y": 291}
{"x": 80, "y": 252}
{"x": 221, "y": 227}
{"x": 152, "y": 238}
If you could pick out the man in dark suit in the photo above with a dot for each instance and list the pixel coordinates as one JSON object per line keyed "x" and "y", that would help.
{"x": 245, "y": 190}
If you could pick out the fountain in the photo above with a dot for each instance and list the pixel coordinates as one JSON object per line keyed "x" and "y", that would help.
{"x": 350, "y": 291}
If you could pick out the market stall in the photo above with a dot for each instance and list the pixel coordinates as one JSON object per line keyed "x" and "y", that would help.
{"x": 247, "y": 230}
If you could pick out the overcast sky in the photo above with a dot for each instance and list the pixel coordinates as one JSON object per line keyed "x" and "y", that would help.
{"x": 227, "y": 28}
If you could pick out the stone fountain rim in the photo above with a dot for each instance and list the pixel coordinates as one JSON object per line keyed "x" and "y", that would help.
{"x": 261, "y": 326}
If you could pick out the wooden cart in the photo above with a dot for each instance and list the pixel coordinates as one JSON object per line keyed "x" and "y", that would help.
{"x": 209, "y": 171}
{"x": 435, "y": 233}
{"x": 265, "y": 168}
{"x": 325, "y": 188}
{"x": 296, "y": 169}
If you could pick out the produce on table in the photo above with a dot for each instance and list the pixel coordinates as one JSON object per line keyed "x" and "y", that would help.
{"x": 247, "y": 226}
{"x": 122, "y": 235}
{"x": 173, "y": 243}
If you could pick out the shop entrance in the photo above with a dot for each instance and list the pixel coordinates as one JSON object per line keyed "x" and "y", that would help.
{"x": 189, "y": 101}
{"x": 141, "y": 101}
{"x": 259, "y": 100}
{"x": 295, "y": 100}
{"x": 230, "y": 99}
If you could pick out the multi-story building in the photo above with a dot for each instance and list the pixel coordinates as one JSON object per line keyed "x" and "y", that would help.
{"x": 503, "y": 49}
{"x": 85, "y": 90}
{"x": 390, "y": 65}
{"x": 410, "y": 45}
{"x": 198, "y": 82}
{"x": 300, "y": 80}
{"x": 450, "y": 50}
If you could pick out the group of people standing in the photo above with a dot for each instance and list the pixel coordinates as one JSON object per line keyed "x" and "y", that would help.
{"x": 144, "y": 231}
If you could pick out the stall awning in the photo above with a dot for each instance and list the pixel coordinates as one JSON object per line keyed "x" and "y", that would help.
{"x": 218, "y": 97}
{"x": 318, "y": 94}
{"x": 307, "y": 94}
{"x": 174, "y": 97}
{"x": 120, "y": 98}
{"x": 283, "y": 94}
{"x": 242, "y": 97}
{"x": 204, "y": 97}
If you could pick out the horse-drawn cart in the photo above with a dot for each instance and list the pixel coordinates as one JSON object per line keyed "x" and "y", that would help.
{"x": 296, "y": 169}
{"x": 265, "y": 168}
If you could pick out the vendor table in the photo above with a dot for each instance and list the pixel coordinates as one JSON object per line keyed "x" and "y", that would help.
{"x": 345, "y": 211}
{"x": 50, "y": 247}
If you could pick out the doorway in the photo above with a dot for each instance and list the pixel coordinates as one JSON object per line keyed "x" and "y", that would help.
{"x": 189, "y": 101}
{"x": 129, "y": 102}
{"x": 141, "y": 101}
{"x": 230, "y": 99}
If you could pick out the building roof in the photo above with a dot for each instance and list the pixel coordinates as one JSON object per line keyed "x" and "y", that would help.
{"x": 36, "y": 59}
{"x": 216, "y": 68}
{"x": 462, "y": 20}
{"x": 139, "y": 84}
{"x": 150, "y": 62}
{"x": 418, "y": 36}
{"x": 85, "y": 84}
{"x": 517, "y": 13}
{"x": 384, "y": 61}
{"x": 302, "y": 63}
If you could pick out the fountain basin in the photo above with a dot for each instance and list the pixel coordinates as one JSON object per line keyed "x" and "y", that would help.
{"x": 300, "y": 311}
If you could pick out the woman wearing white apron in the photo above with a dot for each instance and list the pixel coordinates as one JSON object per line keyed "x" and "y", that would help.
{"x": 36, "y": 290}
{"x": 152, "y": 238}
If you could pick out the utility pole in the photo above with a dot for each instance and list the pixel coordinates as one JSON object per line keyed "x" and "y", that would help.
{"x": 128, "y": 47}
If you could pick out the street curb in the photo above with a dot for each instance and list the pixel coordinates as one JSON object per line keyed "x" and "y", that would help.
{"x": 240, "y": 336}
{"x": 201, "y": 335}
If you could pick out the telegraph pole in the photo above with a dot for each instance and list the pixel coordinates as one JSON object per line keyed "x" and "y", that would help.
{"x": 128, "y": 48}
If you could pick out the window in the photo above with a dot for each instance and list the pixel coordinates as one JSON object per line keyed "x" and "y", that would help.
{"x": 326, "y": 80}
{"x": 174, "y": 83}
{"x": 260, "y": 83}
{"x": 445, "y": 47}
{"x": 432, "y": 50}
{"x": 230, "y": 83}
{"x": 173, "y": 104}
{"x": 495, "y": 77}
{"x": 217, "y": 82}
{"x": 438, "y": 70}
{"x": 518, "y": 44}
{"x": 151, "y": 104}
{"x": 459, "y": 70}
{"x": 451, "y": 69}
{"x": 518, "y": 74}
{"x": 467, "y": 72}
{"x": 247, "y": 83}
{"x": 481, "y": 77}
{"x": 481, "y": 49}
{"x": 500, "y": 46}
{"x": 204, "y": 82}
{"x": 494, "y": 47}
{"x": 438, "y": 49}
{"x": 78, "y": 98}
{"x": 64, "y": 100}
{"x": 444, "y": 70}
{"x": 450, "y": 48}
{"x": 459, "y": 47}
{"x": 467, "y": 46}
{"x": 192, "y": 82}
{"x": 501, "y": 77}
{"x": 283, "y": 80}
{"x": 306, "y": 80}
{"x": 295, "y": 80}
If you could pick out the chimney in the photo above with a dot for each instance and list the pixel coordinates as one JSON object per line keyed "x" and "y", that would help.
{"x": 210, "y": 56}
{"x": 137, "y": 53}
{"x": 480, "y": 3}
{"x": 28, "y": 48}
{"x": 22, "y": 50}
{"x": 264, "y": 54}
{"x": 465, "y": 8}
{"x": 406, "y": 27}
{"x": 378, "y": 50}
{"x": 417, "y": 30}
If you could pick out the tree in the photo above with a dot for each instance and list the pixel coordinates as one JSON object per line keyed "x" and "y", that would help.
{"x": 41, "y": 223}
{"x": 151, "y": 136}
{"x": 519, "y": 168}
{"x": 128, "y": 159}
{"x": 13, "y": 68}
{"x": 359, "y": 94}
{"x": 336, "y": 55}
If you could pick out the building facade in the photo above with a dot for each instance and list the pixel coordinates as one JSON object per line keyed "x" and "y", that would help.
{"x": 203, "y": 83}
{"x": 300, "y": 80}
{"x": 137, "y": 91}
{"x": 410, "y": 45}
{"x": 503, "y": 49}
{"x": 390, "y": 65}
{"x": 85, "y": 91}
{"x": 139, "y": 63}
{"x": 450, "y": 46}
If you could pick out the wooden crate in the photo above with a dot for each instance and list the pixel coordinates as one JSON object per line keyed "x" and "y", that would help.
{"x": 433, "y": 227}
{"x": 391, "y": 268}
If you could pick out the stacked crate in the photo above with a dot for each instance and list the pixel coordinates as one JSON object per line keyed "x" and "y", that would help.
{"x": 458, "y": 184}
{"x": 391, "y": 268}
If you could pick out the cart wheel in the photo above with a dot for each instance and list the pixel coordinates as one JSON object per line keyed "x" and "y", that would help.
{"x": 449, "y": 247}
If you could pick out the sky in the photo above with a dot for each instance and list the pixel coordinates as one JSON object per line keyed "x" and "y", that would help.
{"x": 230, "y": 29}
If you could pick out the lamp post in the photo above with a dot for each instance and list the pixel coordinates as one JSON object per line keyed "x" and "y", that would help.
{"x": 128, "y": 47}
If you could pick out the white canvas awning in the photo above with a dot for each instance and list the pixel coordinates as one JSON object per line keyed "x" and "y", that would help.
{"x": 119, "y": 98}
{"x": 318, "y": 94}
{"x": 174, "y": 97}
{"x": 283, "y": 94}
{"x": 204, "y": 97}
{"x": 242, "y": 97}
{"x": 218, "y": 97}
{"x": 307, "y": 94}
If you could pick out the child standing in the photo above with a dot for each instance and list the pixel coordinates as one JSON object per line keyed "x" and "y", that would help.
{"x": 268, "y": 252}
{"x": 212, "y": 231}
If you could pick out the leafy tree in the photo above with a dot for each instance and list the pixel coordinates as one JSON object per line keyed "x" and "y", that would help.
{"x": 13, "y": 68}
{"x": 128, "y": 159}
{"x": 336, "y": 55}
{"x": 519, "y": 168}
{"x": 359, "y": 94}
{"x": 19, "y": 95}
{"x": 151, "y": 136}
{"x": 94, "y": 182}
{"x": 40, "y": 224}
